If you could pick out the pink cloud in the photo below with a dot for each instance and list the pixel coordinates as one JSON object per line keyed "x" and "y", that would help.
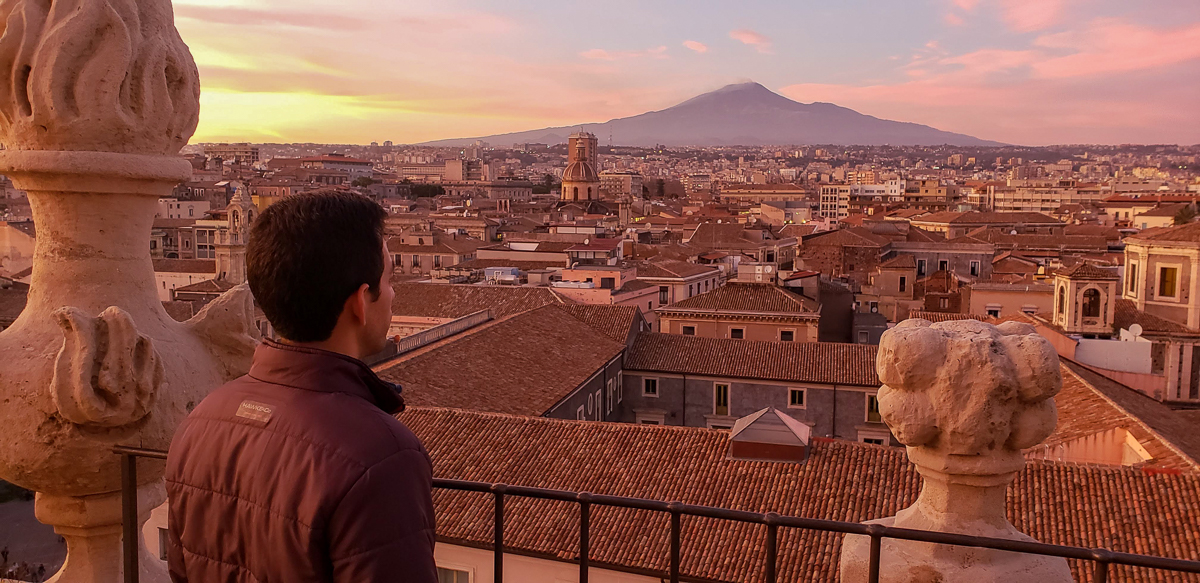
{"x": 230, "y": 15}
{"x": 659, "y": 52}
{"x": 967, "y": 5}
{"x": 697, "y": 46}
{"x": 1032, "y": 15}
{"x": 760, "y": 43}
{"x": 953, "y": 19}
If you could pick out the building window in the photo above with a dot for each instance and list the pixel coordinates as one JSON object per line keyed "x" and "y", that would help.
{"x": 1062, "y": 301}
{"x": 689, "y": 330}
{"x": 453, "y": 576}
{"x": 943, "y": 265}
{"x": 720, "y": 399}
{"x": 1132, "y": 276}
{"x": 873, "y": 440}
{"x": 612, "y": 390}
{"x": 873, "y": 410}
{"x": 903, "y": 283}
{"x": 944, "y": 303}
{"x": 920, "y": 267}
{"x": 689, "y": 290}
{"x": 416, "y": 260}
{"x": 737, "y": 333}
{"x": 974, "y": 268}
{"x": 993, "y": 312}
{"x": 650, "y": 387}
{"x": 662, "y": 295}
{"x": 1091, "y": 303}
{"x": 649, "y": 422}
{"x": 437, "y": 260}
{"x": 1168, "y": 281}
{"x": 579, "y": 413}
{"x": 864, "y": 337}
{"x": 796, "y": 398}
{"x": 787, "y": 336}
{"x": 608, "y": 283}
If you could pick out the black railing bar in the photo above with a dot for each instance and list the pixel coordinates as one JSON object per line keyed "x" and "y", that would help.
{"x": 1027, "y": 547}
{"x": 585, "y": 521}
{"x": 129, "y": 521}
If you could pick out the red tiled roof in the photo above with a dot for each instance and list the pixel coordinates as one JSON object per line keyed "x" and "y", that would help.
{"x": 852, "y": 237}
{"x": 1189, "y": 233}
{"x": 435, "y": 300}
{"x": 812, "y": 362}
{"x": 936, "y": 317}
{"x": 522, "y": 365}
{"x": 207, "y": 286}
{"x": 900, "y": 262}
{"x": 746, "y": 297}
{"x": 615, "y": 322}
{"x": 1085, "y": 270}
{"x": 1127, "y": 314}
{"x": 672, "y": 269}
{"x": 12, "y": 303}
{"x": 162, "y": 265}
{"x": 1125, "y": 509}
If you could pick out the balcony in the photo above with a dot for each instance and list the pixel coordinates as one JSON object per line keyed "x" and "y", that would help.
{"x": 1094, "y": 564}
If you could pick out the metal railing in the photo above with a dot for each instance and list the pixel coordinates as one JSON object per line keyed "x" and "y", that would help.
{"x": 1102, "y": 559}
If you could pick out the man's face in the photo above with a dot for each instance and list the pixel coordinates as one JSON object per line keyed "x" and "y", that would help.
{"x": 379, "y": 312}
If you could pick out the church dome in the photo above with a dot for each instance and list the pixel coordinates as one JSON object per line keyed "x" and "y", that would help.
{"x": 579, "y": 171}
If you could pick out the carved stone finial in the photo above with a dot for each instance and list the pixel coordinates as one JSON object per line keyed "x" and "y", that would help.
{"x": 95, "y": 75}
{"x": 107, "y": 374}
{"x": 966, "y": 398}
{"x": 226, "y": 325}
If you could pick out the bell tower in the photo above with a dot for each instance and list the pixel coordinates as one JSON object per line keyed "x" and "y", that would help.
{"x": 1085, "y": 300}
{"x": 231, "y": 239}
{"x": 581, "y": 179}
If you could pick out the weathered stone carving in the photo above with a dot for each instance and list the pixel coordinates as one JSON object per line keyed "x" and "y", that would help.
{"x": 965, "y": 398}
{"x": 107, "y": 374}
{"x": 96, "y": 99}
{"x": 95, "y": 75}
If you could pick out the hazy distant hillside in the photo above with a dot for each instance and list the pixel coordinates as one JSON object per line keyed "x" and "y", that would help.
{"x": 747, "y": 114}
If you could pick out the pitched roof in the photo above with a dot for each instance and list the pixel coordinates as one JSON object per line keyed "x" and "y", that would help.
{"x": 1124, "y": 509}
{"x": 724, "y": 235}
{"x": 852, "y": 237}
{"x": 672, "y": 269}
{"x": 615, "y": 322}
{"x": 435, "y": 300}
{"x": 521, "y": 265}
{"x": 522, "y": 365}
{"x": 1090, "y": 403}
{"x": 164, "y": 223}
{"x": 900, "y": 262}
{"x": 26, "y": 227}
{"x": 747, "y": 297}
{"x": 1189, "y": 233}
{"x": 1166, "y": 210}
{"x": 1127, "y": 314}
{"x": 1085, "y": 270}
{"x": 163, "y": 265}
{"x": 936, "y": 317}
{"x": 811, "y": 362}
{"x": 12, "y": 303}
{"x": 207, "y": 286}
{"x": 797, "y": 231}
{"x": 442, "y": 243}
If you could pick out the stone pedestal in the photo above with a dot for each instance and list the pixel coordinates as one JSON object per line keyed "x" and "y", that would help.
{"x": 91, "y": 526}
{"x": 100, "y": 98}
{"x": 966, "y": 398}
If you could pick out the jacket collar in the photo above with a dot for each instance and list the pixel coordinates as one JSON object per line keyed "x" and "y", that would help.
{"x": 314, "y": 369}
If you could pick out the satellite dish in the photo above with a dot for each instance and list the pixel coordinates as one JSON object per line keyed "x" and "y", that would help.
{"x": 1012, "y": 232}
{"x": 587, "y": 241}
{"x": 1136, "y": 329}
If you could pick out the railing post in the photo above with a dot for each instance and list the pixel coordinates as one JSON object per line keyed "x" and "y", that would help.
{"x": 585, "y": 519}
{"x": 1103, "y": 558}
{"x": 876, "y": 533}
{"x": 772, "y": 545}
{"x": 498, "y": 540}
{"x": 129, "y": 522}
{"x": 676, "y": 509}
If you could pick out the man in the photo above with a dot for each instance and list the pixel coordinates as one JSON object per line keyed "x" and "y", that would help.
{"x": 298, "y": 471}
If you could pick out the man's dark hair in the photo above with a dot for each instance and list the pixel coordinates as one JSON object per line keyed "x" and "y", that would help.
{"x": 307, "y": 254}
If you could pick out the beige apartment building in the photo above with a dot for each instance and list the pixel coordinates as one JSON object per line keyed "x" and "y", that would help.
{"x": 1162, "y": 273}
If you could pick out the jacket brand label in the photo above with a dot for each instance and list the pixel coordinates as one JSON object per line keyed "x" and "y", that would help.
{"x": 254, "y": 411}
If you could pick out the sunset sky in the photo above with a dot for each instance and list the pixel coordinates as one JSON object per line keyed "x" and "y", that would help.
{"x": 1019, "y": 71}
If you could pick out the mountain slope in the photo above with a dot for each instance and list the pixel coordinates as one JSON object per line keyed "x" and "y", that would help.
{"x": 745, "y": 114}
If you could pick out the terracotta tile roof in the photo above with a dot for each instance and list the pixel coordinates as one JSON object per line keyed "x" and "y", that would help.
{"x": 615, "y": 322}
{"x": 747, "y": 297}
{"x": 1189, "y": 233}
{"x": 811, "y": 362}
{"x": 442, "y": 243}
{"x": 522, "y": 365}
{"x": 521, "y": 265}
{"x": 797, "y": 231}
{"x": 207, "y": 286}
{"x": 936, "y": 317}
{"x": 1166, "y": 210}
{"x": 900, "y": 262}
{"x": 1090, "y": 403}
{"x": 852, "y": 237}
{"x": 26, "y": 227}
{"x": 1124, "y": 509}
{"x": 433, "y": 300}
{"x": 673, "y": 269}
{"x": 1127, "y": 314}
{"x": 919, "y": 235}
{"x": 180, "y": 311}
{"x": 12, "y": 303}
{"x": 726, "y": 236}
{"x": 162, "y": 265}
{"x": 1085, "y": 270}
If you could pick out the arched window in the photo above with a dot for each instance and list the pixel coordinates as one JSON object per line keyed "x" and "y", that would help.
{"x": 235, "y": 219}
{"x": 576, "y": 193}
{"x": 1091, "y": 303}
{"x": 1062, "y": 300}
{"x": 589, "y": 193}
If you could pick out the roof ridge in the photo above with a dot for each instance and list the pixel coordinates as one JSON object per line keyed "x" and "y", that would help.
{"x": 1138, "y": 420}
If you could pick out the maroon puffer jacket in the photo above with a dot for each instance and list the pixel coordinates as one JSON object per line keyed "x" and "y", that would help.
{"x": 298, "y": 472}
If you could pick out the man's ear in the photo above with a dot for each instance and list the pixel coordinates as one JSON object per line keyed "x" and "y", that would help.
{"x": 356, "y": 304}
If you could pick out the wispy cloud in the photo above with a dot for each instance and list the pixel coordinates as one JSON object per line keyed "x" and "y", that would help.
{"x": 760, "y": 43}
{"x": 697, "y": 46}
{"x": 659, "y": 52}
{"x": 967, "y": 5}
{"x": 952, "y": 19}
{"x": 237, "y": 16}
{"x": 1032, "y": 15}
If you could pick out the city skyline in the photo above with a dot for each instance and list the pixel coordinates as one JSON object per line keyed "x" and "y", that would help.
{"x": 1016, "y": 71}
